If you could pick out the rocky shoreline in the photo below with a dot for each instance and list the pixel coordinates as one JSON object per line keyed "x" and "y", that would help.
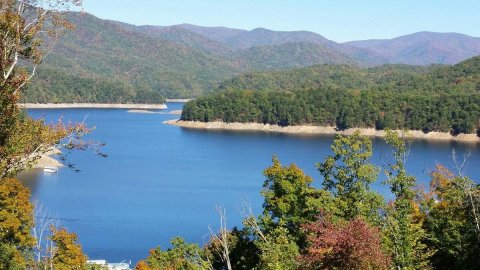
{"x": 318, "y": 130}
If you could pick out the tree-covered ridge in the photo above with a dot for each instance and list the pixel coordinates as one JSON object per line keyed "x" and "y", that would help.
{"x": 99, "y": 51}
{"x": 291, "y": 55}
{"x": 105, "y": 61}
{"x": 463, "y": 77}
{"x": 181, "y": 61}
{"x": 424, "y": 48}
{"x": 438, "y": 98}
{"x": 56, "y": 86}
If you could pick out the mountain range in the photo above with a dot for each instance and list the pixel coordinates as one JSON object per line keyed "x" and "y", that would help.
{"x": 110, "y": 61}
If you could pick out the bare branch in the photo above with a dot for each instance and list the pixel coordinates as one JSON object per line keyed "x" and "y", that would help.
{"x": 459, "y": 166}
{"x": 12, "y": 66}
{"x": 222, "y": 239}
{"x": 41, "y": 232}
{"x": 251, "y": 220}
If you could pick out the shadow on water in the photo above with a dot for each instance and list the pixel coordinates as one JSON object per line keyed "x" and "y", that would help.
{"x": 31, "y": 179}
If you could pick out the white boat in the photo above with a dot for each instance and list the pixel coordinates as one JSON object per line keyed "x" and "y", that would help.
{"x": 50, "y": 169}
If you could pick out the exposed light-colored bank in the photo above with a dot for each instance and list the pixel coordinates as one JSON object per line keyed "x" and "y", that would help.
{"x": 317, "y": 130}
{"x": 93, "y": 106}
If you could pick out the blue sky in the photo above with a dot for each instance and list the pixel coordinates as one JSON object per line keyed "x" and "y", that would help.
{"x": 338, "y": 20}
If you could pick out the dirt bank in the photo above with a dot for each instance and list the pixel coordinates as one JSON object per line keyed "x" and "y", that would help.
{"x": 47, "y": 160}
{"x": 93, "y": 106}
{"x": 316, "y": 130}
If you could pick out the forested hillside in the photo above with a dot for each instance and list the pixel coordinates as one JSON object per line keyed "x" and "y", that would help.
{"x": 106, "y": 61}
{"x": 100, "y": 52}
{"x": 424, "y": 48}
{"x": 439, "y": 98}
{"x": 109, "y": 61}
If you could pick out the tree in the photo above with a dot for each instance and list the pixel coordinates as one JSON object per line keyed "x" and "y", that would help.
{"x": 278, "y": 251}
{"x": 182, "y": 256}
{"x": 348, "y": 176}
{"x": 404, "y": 236}
{"x": 29, "y": 28}
{"x": 450, "y": 221}
{"x": 243, "y": 253}
{"x": 16, "y": 220}
{"x": 347, "y": 245}
{"x": 142, "y": 265}
{"x": 274, "y": 248}
{"x": 67, "y": 254}
{"x": 290, "y": 200}
{"x": 41, "y": 232}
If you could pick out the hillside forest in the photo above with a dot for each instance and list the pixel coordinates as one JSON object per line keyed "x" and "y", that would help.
{"x": 104, "y": 61}
{"x": 435, "y": 98}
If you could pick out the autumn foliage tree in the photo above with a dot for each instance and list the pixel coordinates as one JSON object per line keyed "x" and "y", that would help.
{"x": 347, "y": 245}
{"x": 28, "y": 31}
{"x": 16, "y": 221}
{"x": 67, "y": 252}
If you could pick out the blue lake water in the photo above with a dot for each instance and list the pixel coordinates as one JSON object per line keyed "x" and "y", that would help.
{"x": 160, "y": 181}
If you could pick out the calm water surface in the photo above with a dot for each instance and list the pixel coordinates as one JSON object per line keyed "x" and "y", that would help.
{"x": 160, "y": 181}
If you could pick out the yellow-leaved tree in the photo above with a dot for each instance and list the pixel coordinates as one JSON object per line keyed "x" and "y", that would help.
{"x": 28, "y": 32}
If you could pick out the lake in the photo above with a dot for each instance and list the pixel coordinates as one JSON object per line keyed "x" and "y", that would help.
{"x": 161, "y": 181}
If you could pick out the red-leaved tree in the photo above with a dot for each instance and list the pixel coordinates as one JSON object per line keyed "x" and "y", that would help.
{"x": 350, "y": 245}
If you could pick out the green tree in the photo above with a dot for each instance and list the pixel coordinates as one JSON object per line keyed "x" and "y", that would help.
{"x": 278, "y": 251}
{"x": 243, "y": 253}
{"x": 181, "y": 256}
{"x": 404, "y": 236}
{"x": 348, "y": 176}
{"x": 290, "y": 200}
{"x": 450, "y": 221}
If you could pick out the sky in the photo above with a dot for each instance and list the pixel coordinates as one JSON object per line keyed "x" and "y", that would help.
{"x": 338, "y": 20}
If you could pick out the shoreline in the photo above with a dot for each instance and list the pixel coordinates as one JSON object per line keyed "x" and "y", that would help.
{"x": 178, "y": 100}
{"x": 319, "y": 130}
{"x": 92, "y": 106}
{"x": 174, "y": 112}
{"x": 47, "y": 160}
